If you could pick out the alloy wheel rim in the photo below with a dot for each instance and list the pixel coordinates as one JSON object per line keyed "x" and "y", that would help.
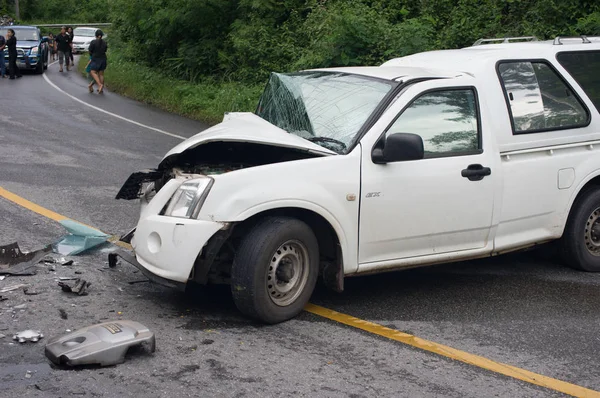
{"x": 287, "y": 273}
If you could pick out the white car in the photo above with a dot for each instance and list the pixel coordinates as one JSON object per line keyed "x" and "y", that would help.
{"x": 432, "y": 158}
{"x": 82, "y": 37}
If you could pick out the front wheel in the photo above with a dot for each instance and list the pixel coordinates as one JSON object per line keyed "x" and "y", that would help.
{"x": 580, "y": 244}
{"x": 275, "y": 269}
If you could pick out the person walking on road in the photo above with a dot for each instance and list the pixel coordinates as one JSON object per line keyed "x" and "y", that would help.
{"x": 71, "y": 37}
{"x": 2, "y": 63}
{"x": 51, "y": 46}
{"x": 11, "y": 43}
{"x": 63, "y": 45}
{"x": 97, "y": 51}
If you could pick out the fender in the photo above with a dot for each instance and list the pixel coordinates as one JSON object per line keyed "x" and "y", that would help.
{"x": 576, "y": 192}
{"x": 350, "y": 263}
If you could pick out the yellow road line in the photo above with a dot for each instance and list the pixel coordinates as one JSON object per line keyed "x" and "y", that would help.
{"x": 31, "y": 206}
{"x": 16, "y": 199}
{"x": 453, "y": 353}
{"x": 373, "y": 328}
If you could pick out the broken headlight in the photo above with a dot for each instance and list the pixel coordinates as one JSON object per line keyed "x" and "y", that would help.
{"x": 189, "y": 197}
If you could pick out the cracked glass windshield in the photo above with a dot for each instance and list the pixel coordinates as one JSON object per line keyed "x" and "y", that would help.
{"x": 323, "y": 107}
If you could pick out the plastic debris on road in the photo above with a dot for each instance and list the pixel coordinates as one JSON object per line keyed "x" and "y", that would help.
{"x": 13, "y": 287}
{"x": 28, "y": 335}
{"x": 13, "y": 261}
{"x": 79, "y": 288}
{"x": 103, "y": 344}
{"x": 79, "y": 239}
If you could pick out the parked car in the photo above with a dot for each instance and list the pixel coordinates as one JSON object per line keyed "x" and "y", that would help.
{"x": 32, "y": 48}
{"x": 82, "y": 37}
{"x": 431, "y": 158}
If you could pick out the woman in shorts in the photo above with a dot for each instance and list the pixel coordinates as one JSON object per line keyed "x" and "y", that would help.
{"x": 97, "y": 51}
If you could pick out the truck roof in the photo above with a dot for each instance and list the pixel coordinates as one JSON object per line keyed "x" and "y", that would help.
{"x": 468, "y": 60}
{"x": 472, "y": 59}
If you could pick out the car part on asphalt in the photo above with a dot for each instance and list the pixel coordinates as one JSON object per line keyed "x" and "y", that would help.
{"x": 79, "y": 239}
{"x": 103, "y": 344}
{"x": 13, "y": 261}
{"x": 28, "y": 335}
{"x": 30, "y": 292}
{"x": 13, "y": 287}
{"x": 79, "y": 288}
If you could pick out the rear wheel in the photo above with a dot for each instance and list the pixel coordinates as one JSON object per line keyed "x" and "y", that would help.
{"x": 275, "y": 269}
{"x": 580, "y": 244}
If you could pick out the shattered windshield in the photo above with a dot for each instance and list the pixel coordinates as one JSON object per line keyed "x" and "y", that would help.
{"x": 323, "y": 107}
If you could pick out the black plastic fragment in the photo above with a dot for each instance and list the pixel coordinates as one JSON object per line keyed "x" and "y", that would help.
{"x": 131, "y": 189}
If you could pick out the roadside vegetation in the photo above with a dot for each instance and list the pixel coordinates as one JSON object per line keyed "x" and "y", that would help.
{"x": 202, "y": 58}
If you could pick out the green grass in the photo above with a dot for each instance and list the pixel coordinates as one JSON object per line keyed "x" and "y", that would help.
{"x": 201, "y": 101}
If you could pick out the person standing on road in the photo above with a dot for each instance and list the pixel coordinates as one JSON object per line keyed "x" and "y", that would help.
{"x": 97, "y": 51}
{"x": 51, "y": 46}
{"x": 2, "y": 63}
{"x": 71, "y": 37}
{"x": 11, "y": 43}
{"x": 63, "y": 45}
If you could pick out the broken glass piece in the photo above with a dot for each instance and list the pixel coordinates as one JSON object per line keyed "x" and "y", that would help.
{"x": 79, "y": 239}
{"x": 103, "y": 344}
{"x": 13, "y": 261}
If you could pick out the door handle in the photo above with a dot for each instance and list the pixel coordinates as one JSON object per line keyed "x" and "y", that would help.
{"x": 476, "y": 172}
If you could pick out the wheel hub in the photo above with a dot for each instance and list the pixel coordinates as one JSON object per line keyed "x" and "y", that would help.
{"x": 285, "y": 271}
{"x": 592, "y": 233}
{"x": 288, "y": 272}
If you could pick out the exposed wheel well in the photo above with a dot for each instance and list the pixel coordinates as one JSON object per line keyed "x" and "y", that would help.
{"x": 331, "y": 263}
{"x": 594, "y": 183}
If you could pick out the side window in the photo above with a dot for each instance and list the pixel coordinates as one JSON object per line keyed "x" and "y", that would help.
{"x": 539, "y": 99}
{"x": 446, "y": 120}
{"x": 584, "y": 67}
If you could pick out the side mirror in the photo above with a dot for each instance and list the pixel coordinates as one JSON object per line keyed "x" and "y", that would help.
{"x": 45, "y": 39}
{"x": 399, "y": 147}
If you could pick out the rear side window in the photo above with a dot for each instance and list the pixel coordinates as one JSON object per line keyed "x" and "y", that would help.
{"x": 539, "y": 99}
{"x": 584, "y": 66}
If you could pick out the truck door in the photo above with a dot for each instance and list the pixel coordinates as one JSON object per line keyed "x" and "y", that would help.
{"x": 442, "y": 203}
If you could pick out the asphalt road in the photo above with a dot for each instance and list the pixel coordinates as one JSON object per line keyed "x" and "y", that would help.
{"x": 521, "y": 310}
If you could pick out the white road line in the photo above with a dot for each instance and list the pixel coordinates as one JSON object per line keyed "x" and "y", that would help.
{"x": 110, "y": 113}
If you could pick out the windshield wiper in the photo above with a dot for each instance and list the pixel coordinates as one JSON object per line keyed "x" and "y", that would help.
{"x": 329, "y": 140}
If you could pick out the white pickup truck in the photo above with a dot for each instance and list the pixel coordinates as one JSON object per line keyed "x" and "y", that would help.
{"x": 431, "y": 158}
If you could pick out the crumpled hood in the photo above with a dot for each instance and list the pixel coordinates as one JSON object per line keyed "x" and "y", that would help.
{"x": 247, "y": 127}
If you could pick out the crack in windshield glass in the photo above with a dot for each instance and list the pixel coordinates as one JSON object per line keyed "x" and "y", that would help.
{"x": 323, "y": 107}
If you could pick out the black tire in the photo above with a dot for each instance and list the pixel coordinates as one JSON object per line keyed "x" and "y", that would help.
{"x": 39, "y": 68}
{"x": 580, "y": 244}
{"x": 263, "y": 257}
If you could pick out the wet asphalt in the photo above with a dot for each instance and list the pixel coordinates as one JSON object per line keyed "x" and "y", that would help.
{"x": 524, "y": 309}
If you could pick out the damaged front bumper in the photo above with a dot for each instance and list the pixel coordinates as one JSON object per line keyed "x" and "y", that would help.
{"x": 166, "y": 248}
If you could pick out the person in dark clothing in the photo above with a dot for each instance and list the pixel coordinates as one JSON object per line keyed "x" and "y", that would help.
{"x": 11, "y": 43}
{"x": 63, "y": 45}
{"x": 2, "y": 48}
{"x": 97, "y": 49}
{"x": 71, "y": 37}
